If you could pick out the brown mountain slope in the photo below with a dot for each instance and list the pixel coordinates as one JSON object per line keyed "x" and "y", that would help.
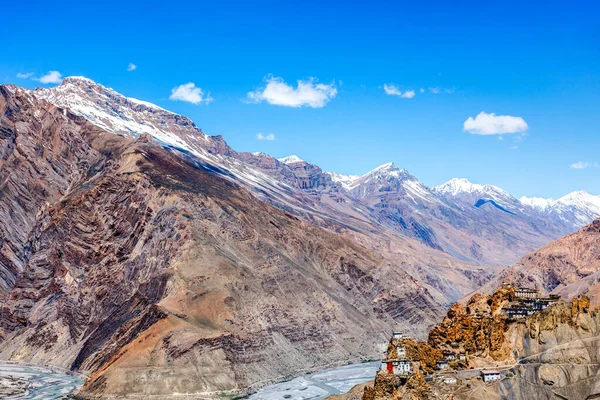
{"x": 569, "y": 267}
{"x": 156, "y": 277}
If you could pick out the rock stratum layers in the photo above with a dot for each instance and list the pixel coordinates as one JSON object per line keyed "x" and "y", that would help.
{"x": 127, "y": 262}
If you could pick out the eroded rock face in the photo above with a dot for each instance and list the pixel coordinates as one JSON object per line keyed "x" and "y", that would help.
{"x": 476, "y": 328}
{"x": 40, "y": 158}
{"x": 154, "y": 276}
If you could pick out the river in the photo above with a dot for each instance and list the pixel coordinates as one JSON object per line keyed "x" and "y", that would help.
{"x": 320, "y": 384}
{"x": 25, "y": 382}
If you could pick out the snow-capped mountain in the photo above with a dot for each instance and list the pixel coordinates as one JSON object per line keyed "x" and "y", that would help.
{"x": 460, "y": 190}
{"x": 578, "y": 207}
{"x": 458, "y": 186}
{"x": 345, "y": 180}
{"x": 537, "y": 203}
{"x": 386, "y": 179}
{"x": 480, "y": 223}
{"x": 122, "y": 115}
{"x": 290, "y": 159}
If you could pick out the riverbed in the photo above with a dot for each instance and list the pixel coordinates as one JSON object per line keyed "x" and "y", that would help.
{"x": 319, "y": 385}
{"x": 25, "y": 382}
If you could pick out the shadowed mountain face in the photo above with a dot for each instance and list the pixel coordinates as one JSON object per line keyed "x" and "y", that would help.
{"x": 129, "y": 262}
{"x": 569, "y": 266}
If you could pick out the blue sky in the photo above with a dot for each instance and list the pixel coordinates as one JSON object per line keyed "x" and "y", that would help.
{"x": 538, "y": 63}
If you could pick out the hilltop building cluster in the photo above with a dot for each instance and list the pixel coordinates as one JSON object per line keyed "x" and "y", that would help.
{"x": 472, "y": 347}
{"x": 451, "y": 364}
{"x": 400, "y": 364}
{"x": 526, "y": 302}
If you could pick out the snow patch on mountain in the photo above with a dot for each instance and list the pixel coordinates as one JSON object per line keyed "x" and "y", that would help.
{"x": 385, "y": 170}
{"x": 347, "y": 181}
{"x": 116, "y": 113}
{"x": 537, "y": 203}
{"x": 290, "y": 159}
{"x": 458, "y": 186}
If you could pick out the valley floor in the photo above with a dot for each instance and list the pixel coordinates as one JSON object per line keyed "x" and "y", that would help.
{"x": 26, "y": 382}
{"x": 319, "y": 385}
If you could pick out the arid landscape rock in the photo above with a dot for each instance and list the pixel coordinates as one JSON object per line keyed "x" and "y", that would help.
{"x": 157, "y": 260}
{"x": 153, "y": 276}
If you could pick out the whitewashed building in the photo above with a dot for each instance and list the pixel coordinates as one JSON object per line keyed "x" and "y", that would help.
{"x": 526, "y": 293}
{"x": 397, "y": 335}
{"x": 400, "y": 366}
{"x": 449, "y": 380}
{"x": 401, "y": 351}
{"x": 490, "y": 375}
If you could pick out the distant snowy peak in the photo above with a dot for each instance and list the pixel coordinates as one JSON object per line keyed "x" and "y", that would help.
{"x": 578, "y": 207}
{"x": 537, "y": 203}
{"x": 347, "y": 181}
{"x": 581, "y": 199}
{"x": 388, "y": 178}
{"x": 388, "y": 170}
{"x": 457, "y": 186}
{"x": 290, "y": 159}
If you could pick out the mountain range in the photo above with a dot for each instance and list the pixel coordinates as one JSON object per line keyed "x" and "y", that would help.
{"x": 157, "y": 259}
{"x": 477, "y": 223}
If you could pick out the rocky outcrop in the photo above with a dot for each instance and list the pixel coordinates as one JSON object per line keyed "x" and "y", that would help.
{"x": 477, "y": 328}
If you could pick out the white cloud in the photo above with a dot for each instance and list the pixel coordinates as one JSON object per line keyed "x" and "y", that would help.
{"x": 422, "y": 90}
{"x": 580, "y": 165}
{"x": 308, "y": 93}
{"x": 268, "y": 136}
{"x": 190, "y": 93}
{"x": 25, "y": 75}
{"x": 492, "y": 124}
{"x": 393, "y": 90}
{"x": 438, "y": 90}
{"x": 51, "y": 77}
{"x": 131, "y": 67}
{"x": 583, "y": 165}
